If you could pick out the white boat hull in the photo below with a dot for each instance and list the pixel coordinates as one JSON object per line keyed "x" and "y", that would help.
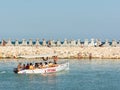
{"x": 59, "y": 68}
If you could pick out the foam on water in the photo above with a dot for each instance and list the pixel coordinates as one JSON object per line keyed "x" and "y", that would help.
{"x": 2, "y": 72}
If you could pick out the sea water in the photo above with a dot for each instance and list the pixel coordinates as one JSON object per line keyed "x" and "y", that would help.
{"x": 82, "y": 75}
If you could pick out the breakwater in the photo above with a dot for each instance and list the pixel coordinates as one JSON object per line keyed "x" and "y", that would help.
{"x": 62, "y": 52}
{"x": 67, "y": 49}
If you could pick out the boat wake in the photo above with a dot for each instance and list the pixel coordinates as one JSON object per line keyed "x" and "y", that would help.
{"x": 2, "y": 72}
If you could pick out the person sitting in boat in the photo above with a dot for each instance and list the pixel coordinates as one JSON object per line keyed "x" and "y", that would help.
{"x": 23, "y": 67}
{"x": 31, "y": 67}
{"x": 27, "y": 66}
{"x": 19, "y": 67}
{"x": 40, "y": 65}
{"x": 50, "y": 64}
{"x": 45, "y": 65}
{"x": 36, "y": 65}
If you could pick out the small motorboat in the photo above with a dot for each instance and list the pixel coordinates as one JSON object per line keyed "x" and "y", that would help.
{"x": 58, "y": 68}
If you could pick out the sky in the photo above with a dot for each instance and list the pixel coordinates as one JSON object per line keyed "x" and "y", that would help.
{"x": 60, "y": 19}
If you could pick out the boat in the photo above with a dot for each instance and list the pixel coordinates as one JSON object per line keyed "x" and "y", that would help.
{"x": 53, "y": 69}
{"x": 58, "y": 68}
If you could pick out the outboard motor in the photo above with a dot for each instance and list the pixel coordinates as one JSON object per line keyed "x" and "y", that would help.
{"x": 15, "y": 70}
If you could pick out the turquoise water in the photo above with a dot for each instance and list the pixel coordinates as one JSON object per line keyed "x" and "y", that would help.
{"x": 83, "y": 75}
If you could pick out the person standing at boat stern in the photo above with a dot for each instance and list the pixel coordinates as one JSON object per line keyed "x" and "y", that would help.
{"x": 55, "y": 58}
{"x": 19, "y": 67}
